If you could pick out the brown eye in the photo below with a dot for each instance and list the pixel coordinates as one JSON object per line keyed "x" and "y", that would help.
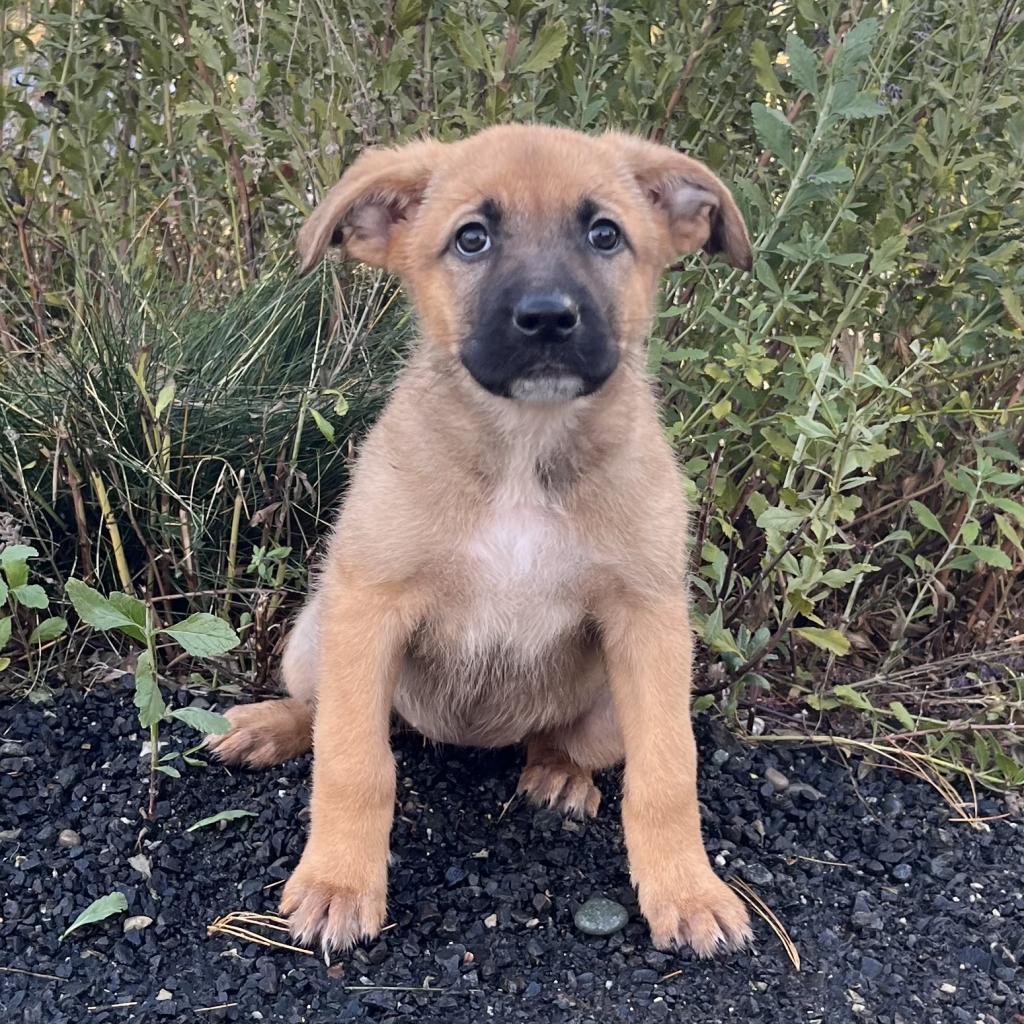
{"x": 604, "y": 235}
{"x": 472, "y": 239}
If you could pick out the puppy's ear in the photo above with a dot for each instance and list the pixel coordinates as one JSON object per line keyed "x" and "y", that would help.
{"x": 367, "y": 209}
{"x": 698, "y": 210}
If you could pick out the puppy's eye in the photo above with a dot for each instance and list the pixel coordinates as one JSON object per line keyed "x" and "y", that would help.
{"x": 472, "y": 239}
{"x": 604, "y": 235}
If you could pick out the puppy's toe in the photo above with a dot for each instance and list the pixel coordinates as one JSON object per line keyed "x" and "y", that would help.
{"x": 561, "y": 785}
{"x": 329, "y": 914}
{"x": 263, "y": 734}
{"x": 709, "y": 918}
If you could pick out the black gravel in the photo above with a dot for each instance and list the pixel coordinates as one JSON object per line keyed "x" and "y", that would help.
{"x": 919, "y": 920}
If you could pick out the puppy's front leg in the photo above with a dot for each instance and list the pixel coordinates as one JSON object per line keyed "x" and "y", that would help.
{"x": 648, "y": 651}
{"x": 338, "y": 892}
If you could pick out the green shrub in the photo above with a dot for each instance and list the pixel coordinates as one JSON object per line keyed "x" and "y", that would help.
{"x": 850, "y": 415}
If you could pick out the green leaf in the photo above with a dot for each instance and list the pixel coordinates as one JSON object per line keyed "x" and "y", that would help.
{"x": 96, "y": 611}
{"x": 717, "y": 637}
{"x": 148, "y": 698}
{"x": 15, "y": 553}
{"x": 5, "y": 631}
{"x": 1014, "y": 508}
{"x": 854, "y": 698}
{"x": 884, "y": 258}
{"x": 30, "y": 595}
{"x": 773, "y": 131}
{"x": 927, "y": 519}
{"x": 546, "y": 49}
{"x": 764, "y": 70}
{"x": 323, "y": 425}
{"x": 408, "y": 13}
{"x": 721, "y": 409}
{"x": 98, "y": 910}
{"x": 192, "y": 108}
{"x": 167, "y": 769}
{"x": 47, "y": 630}
{"x": 3, "y": 592}
{"x": 991, "y": 556}
{"x": 1011, "y": 301}
{"x": 803, "y": 64}
{"x": 203, "y": 635}
{"x": 164, "y": 398}
{"x": 202, "y": 720}
{"x": 827, "y": 639}
{"x": 4, "y": 662}
{"x": 341, "y": 406}
{"x": 812, "y": 428}
{"x": 835, "y": 176}
{"x": 840, "y": 577}
{"x": 222, "y": 816}
{"x": 856, "y": 46}
{"x": 861, "y": 106}
{"x": 902, "y": 715}
{"x": 129, "y": 606}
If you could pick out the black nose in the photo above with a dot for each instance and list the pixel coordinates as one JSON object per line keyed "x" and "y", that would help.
{"x": 552, "y": 313}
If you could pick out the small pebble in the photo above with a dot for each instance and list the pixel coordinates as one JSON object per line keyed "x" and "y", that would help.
{"x": 947, "y": 988}
{"x": 600, "y": 916}
{"x": 69, "y": 838}
{"x": 902, "y": 872}
{"x": 137, "y": 924}
{"x": 719, "y": 757}
{"x": 757, "y": 874}
{"x": 870, "y": 967}
{"x": 778, "y": 781}
{"x": 163, "y": 995}
{"x": 491, "y": 921}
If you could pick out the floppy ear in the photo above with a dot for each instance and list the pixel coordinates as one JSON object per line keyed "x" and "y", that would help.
{"x": 698, "y": 210}
{"x": 366, "y": 210}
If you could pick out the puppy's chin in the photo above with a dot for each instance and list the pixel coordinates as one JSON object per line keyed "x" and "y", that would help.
{"x": 561, "y": 387}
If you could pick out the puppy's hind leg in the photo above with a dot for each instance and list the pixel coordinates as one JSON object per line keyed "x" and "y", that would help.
{"x": 272, "y": 731}
{"x": 560, "y": 763}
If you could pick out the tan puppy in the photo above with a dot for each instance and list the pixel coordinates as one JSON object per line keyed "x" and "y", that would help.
{"x": 509, "y": 564}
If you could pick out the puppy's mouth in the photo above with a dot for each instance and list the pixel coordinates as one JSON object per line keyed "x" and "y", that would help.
{"x": 547, "y": 387}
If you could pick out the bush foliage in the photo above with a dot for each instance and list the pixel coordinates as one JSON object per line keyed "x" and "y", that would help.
{"x": 179, "y": 411}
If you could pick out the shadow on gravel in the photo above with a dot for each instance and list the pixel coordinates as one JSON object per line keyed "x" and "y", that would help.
{"x": 899, "y": 915}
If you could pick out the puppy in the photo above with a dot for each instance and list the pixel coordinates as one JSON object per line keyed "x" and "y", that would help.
{"x": 509, "y": 563}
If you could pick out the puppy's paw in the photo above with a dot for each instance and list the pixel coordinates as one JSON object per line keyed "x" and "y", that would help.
{"x": 330, "y": 913}
{"x": 562, "y": 785}
{"x": 705, "y": 915}
{"x": 263, "y": 734}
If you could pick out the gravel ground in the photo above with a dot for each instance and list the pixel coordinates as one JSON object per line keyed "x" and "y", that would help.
{"x": 898, "y": 914}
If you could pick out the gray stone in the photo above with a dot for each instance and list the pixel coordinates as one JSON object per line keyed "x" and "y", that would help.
{"x": 806, "y": 791}
{"x": 943, "y": 866}
{"x": 870, "y": 967}
{"x": 600, "y": 916}
{"x": 719, "y": 757}
{"x": 69, "y": 839}
{"x": 778, "y": 781}
{"x": 902, "y": 872}
{"x": 757, "y": 874}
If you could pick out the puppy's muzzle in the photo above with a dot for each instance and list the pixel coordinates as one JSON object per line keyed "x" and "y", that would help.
{"x": 544, "y": 342}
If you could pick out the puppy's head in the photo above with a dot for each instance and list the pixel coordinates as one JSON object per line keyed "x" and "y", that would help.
{"x": 532, "y": 253}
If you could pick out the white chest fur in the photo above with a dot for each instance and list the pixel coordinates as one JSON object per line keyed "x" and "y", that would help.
{"x": 526, "y": 563}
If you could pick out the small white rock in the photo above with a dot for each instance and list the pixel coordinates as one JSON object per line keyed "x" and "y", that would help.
{"x": 137, "y": 923}
{"x": 947, "y": 988}
{"x": 491, "y": 921}
{"x": 163, "y": 995}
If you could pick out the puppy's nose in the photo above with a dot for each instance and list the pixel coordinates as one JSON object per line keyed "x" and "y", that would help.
{"x": 552, "y": 314}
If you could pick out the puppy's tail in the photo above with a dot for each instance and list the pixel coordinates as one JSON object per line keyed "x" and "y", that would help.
{"x": 273, "y": 731}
